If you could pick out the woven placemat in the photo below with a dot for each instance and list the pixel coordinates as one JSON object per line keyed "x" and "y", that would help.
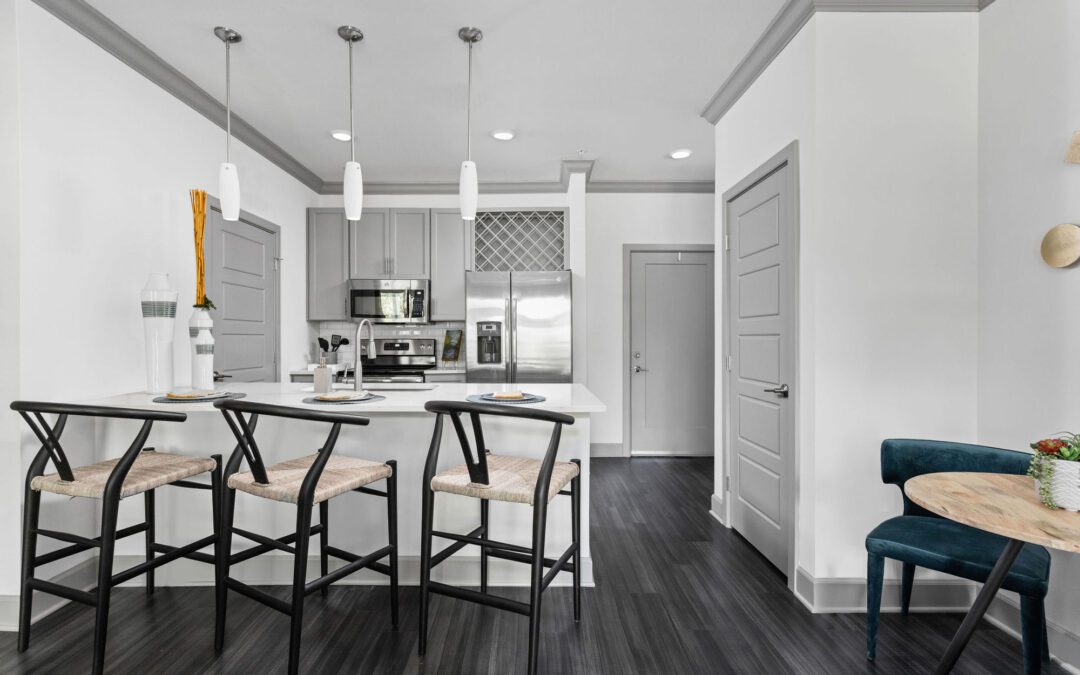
{"x": 166, "y": 399}
{"x": 532, "y": 398}
{"x": 314, "y": 401}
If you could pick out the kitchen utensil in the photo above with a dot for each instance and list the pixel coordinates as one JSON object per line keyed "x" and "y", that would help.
{"x": 344, "y": 341}
{"x": 335, "y": 340}
{"x": 324, "y": 345}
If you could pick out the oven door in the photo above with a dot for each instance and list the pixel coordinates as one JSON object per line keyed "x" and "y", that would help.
{"x": 389, "y": 300}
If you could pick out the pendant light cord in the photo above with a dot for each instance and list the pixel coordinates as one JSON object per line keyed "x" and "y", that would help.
{"x": 228, "y": 103}
{"x": 352, "y": 133}
{"x": 468, "y": 110}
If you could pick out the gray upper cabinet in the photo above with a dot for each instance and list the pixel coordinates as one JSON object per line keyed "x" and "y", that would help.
{"x": 449, "y": 260}
{"x": 369, "y": 245}
{"x": 410, "y": 237}
{"x": 328, "y": 265}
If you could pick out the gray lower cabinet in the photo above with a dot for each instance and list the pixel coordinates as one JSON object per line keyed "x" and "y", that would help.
{"x": 436, "y": 376}
{"x": 449, "y": 260}
{"x": 369, "y": 245}
{"x": 328, "y": 265}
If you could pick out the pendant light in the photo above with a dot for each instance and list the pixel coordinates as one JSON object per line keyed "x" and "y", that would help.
{"x": 353, "y": 181}
{"x": 228, "y": 180}
{"x": 468, "y": 188}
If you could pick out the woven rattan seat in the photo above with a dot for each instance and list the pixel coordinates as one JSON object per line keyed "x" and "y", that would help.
{"x": 150, "y": 470}
{"x": 341, "y": 475}
{"x": 510, "y": 479}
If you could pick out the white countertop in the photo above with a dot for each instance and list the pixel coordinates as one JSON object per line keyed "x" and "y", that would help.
{"x": 566, "y": 398}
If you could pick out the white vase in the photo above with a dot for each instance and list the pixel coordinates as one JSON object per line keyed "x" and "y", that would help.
{"x": 202, "y": 349}
{"x": 159, "y": 317}
{"x": 1065, "y": 485}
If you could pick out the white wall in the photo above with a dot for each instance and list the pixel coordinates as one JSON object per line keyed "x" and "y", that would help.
{"x": 614, "y": 220}
{"x": 1029, "y": 105}
{"x": 104, "y": 168}
{"x": 884, "y": 107}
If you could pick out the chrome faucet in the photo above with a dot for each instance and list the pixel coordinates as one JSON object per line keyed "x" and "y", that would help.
{"x": 358, "y": 368}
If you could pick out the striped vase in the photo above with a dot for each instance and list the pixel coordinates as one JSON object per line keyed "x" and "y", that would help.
{"x": 202, "y": 349}
{"x": 159, "y": 316}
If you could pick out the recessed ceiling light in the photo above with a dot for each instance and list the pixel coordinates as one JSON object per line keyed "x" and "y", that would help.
{"x": 341, "y": 135}
{"x": 681, "y": 153}
{"x": 502, "y": 135}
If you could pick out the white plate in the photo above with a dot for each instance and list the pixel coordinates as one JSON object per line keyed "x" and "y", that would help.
{"x": 353, "y": 396}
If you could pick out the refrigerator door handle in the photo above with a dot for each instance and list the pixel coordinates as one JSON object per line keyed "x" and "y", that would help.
{"x": 514, "y": 337}
{"x": 509, "y": 346}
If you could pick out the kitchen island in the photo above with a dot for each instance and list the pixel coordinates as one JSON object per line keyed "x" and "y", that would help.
{"x": 400, "y": 429}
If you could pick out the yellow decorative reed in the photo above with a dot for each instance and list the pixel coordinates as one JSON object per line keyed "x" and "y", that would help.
{"x": 198, "y": 207}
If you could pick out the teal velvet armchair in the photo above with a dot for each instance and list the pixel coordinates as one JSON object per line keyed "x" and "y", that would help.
{"x": 919, "y": 538}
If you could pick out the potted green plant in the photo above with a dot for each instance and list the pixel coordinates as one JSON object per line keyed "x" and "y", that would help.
{"x": 1055, "y": 466}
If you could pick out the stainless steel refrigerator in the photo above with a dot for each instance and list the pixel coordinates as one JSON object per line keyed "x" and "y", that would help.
{"x": 517, "y": 327}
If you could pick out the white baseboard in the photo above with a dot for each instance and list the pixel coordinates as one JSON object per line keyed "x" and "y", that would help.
{"x": 839, "y": 595}
{"x": 717, "y": 509}
{"x": 276, "y": 570}
{"x": 606, "y": 450}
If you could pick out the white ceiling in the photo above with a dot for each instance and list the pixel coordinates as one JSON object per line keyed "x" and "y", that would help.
{"x": 624, "y": 80}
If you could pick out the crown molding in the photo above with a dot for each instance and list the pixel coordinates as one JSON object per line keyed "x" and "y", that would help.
{"x": 654, "y": 186}
{"x": 790, "y": 20}
{"x": 100, "y": 30}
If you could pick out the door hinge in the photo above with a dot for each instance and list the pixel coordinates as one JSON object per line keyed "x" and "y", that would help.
{"x": 277, "y": 263}
{"x": 727, "y": 483}
{"x": 727, "y": 242}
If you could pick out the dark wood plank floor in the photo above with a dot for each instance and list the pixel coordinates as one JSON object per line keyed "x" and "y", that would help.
{"x": 675, "y": 593}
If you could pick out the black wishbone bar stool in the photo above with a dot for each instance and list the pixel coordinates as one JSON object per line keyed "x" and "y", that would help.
{"x": 487, "y": 477}
{"x": 138, "y": 470}
{"x": 305, "y": 481}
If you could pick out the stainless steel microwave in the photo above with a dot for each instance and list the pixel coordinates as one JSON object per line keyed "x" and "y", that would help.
{"x": 389, "y": 300}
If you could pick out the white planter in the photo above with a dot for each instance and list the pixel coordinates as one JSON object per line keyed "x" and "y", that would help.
{"x": 202, "y": 349}
{"x": 1064, "y": 485}
{"x": 158, "y": 300}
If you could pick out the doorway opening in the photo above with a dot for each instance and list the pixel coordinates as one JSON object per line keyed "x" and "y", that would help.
{"x": 760, "y": 326}
{"x": 668, "y": 350}
{"x": 242, "y": 279}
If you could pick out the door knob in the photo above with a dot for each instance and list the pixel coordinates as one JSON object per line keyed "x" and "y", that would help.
{"x": 639, "y": 369}
{"x": 781, "y": 391}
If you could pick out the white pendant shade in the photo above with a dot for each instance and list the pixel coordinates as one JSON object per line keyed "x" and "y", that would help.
{"x": 229, "y": 191}
{"x": 353, "y": 190}
{"x": 468, "y": 190}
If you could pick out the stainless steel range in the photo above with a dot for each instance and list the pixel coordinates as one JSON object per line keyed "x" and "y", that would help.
{"x": 397, "y": 360}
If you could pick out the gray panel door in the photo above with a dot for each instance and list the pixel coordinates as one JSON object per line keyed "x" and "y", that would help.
{"x": 328, "y": 265}
{"x": 671, "y": 353}
{"x": 760, "y": 316}
{"x": 449, "y": 249}
{"x": 410, "y": 236}
{"x": 369, "y": 245}
{"x": 242, "y": 281}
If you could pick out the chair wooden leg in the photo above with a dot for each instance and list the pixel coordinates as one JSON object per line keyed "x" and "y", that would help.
{"x": 324, "y": 541}
{"x": 110, "y": 507}
{"x": 483, "y": 551}
{"x": 391, "y": 526}
{"x": 875, "y": 573}
{"x": 575, "y": 515}
{"x": 425, "y": 565}
{"x": 907, "y": 581}
{"x": 536, "y": 585}
{"x": 303, "y": 537}
{"x": 31, "y": 511}
{"x": 148, "y": 503}
{"x": 224, "y": 553}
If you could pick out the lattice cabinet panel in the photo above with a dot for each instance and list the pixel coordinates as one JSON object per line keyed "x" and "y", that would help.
{"x": 519, "y": 241}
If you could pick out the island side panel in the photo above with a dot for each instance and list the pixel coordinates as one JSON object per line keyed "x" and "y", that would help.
{"x": 357, "y": 522}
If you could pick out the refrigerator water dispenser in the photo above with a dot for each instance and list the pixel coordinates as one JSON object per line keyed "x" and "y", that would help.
{"x": 489, "y": 341}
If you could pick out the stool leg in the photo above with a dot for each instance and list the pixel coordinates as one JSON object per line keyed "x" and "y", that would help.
{"x": 31, "y": 511}
{"x": 224, "y": 553}
{"x": 110, "y": 507}
{"x": 148, "y": 502}
{"x": 484, "y": 551}
{"x": 391, "y": 524}
{"x": 303, "y": 537}
{"x": 536, "y": 587}
{"x": 324, "y": 541}
{"x": 425, "y": 564}
{"x": 575, "y": 515}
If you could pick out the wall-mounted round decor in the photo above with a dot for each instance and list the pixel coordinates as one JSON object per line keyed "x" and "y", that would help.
{"x": 1061, "y": 245}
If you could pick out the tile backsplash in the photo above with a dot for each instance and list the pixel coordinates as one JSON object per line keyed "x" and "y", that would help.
{"x": 346, "y": 354}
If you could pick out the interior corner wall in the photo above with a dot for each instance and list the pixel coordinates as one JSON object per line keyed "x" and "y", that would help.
{"x": 1029, "y": 106}
{"x": 615, "y": 220}
{"x": 885, "y": 109}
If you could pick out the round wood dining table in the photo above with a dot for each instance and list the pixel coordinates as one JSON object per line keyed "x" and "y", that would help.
{"x": 1002, "y": 504}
